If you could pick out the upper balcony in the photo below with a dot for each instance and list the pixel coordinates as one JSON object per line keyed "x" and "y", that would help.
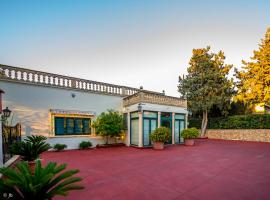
{"x": 38, "y": 78}
{"x": 154, "y": 98}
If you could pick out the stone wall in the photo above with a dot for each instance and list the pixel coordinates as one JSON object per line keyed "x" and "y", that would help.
{"x": 258, "y": 135}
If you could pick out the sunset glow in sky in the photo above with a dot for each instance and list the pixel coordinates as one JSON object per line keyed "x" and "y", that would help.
{"x": 127, "y": 42}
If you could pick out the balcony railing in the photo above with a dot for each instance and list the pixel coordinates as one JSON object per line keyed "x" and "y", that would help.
{"x": 33, "y": 77}
{"x": 154, "y": 98}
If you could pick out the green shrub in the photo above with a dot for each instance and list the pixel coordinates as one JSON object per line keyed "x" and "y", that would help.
{"x": 190, "y": 133}
{"x": 31, "y": 148}
{"x": 161, "y": 134}
{"x": 255, "y": 121}
{"x": 85, "y": 145}
{"x": 109, "y": 124}
{"x": 45, "y": 183}
{"x": 59, "y": 147}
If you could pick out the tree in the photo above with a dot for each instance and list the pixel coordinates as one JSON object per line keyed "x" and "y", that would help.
{"x": 109, "y": 124}
{"x": 254, "y": 79}
{"x": 206, "y": 83}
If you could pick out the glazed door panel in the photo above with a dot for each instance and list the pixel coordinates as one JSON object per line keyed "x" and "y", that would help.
{"x": 146, "y": 132}
{"x": 149, "y": 125}
{"x": 134, "y": 134}
{"x": 179, "y": 125}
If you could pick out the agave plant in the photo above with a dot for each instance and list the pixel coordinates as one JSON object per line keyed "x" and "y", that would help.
{"x": 44, "y": 184}
{"x": 31, "y": 147}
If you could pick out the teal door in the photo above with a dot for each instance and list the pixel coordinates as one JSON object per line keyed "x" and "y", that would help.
{"x": 149, "y": 125}
{"x": 179, "y": 125}
{"x": 166, "y": 121}
{"x": 134, "y": 129}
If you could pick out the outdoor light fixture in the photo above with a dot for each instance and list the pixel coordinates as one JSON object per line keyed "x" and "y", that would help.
{"x": 6, "y": 113}
{"x": 139, "y": 107}
{"x": 73, "y": 95}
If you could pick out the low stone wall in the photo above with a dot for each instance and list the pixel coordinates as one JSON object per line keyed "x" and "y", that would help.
{"x": 258, "y": 135}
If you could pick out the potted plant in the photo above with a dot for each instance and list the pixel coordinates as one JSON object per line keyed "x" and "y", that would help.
{"x": 159, "y": 136}
{"x": 189, "y": 135}
{"x": 59, "y": 147}
{"x": 30, "y": 149}
{"x": 44, "y": 184}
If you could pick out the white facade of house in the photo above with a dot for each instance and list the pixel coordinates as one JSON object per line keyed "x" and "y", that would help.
{"x": 38, "y": 98}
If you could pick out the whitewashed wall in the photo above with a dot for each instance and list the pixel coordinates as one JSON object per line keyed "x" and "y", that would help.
{"x": 30, "y": 106}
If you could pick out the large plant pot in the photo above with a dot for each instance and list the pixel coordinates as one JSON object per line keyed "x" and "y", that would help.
{"x": 189, "y": 142}
{"x": 158, "y": 145}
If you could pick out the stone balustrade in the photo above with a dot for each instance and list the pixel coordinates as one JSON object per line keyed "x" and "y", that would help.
{"x": 33, "y": 77}
{"x": 154, "y": 98}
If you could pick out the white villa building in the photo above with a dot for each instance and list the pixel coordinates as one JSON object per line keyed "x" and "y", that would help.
{"x": 62, "y": 108}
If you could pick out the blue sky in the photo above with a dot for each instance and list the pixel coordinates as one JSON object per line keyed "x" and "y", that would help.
{"x": 131, "y": 42}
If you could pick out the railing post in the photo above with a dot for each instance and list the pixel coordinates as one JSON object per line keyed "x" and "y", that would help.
{"x": 73, "y": 83}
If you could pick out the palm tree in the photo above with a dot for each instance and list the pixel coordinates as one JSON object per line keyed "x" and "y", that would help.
{"x": 44, "y": 184}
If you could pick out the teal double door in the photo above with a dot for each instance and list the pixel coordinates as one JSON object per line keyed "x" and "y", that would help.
{"x": 149, "y": 125}
{"x": 179, "y": 125}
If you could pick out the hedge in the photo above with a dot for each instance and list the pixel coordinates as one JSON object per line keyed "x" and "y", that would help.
{"x": 259, "y": 121}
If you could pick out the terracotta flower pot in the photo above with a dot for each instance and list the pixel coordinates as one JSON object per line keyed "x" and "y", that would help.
{"x": 189, "y": 142}
{"x": 158, "y": 145}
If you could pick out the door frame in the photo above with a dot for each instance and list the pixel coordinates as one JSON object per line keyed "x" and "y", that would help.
{"x": 171, "y": 125}
{"x": 179, "y": 121}
{"x": 130, "y": 135}
{"x": 148, "y": 118}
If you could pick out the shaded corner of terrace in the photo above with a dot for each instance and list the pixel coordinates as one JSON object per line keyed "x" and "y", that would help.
{"x": 213, "y": 169}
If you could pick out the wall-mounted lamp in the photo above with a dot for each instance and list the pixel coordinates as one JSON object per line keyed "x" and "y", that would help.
{"x": 6, "y": 114}
{"x": 139, "y": 107}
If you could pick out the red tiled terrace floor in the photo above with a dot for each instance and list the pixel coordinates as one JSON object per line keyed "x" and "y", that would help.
{"x": 213, "y": 169}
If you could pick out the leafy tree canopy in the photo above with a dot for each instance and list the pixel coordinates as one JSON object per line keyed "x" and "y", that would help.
{"x": 109, "y": 124}
{"x": 206, "y": 83}
{"x": 254, "y": 78}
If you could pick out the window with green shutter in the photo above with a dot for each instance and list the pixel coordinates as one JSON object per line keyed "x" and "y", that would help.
{"x": 72, "y": 126}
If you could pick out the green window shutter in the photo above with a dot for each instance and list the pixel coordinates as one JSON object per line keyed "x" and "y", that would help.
{"x": 59, "y": 125}
{"x": 70, "y": 126}
{"x": 86, "y": 126}
{"x": 78, "y": 127}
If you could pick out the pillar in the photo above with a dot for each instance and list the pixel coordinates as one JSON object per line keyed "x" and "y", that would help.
{"x": 173, "y": 115}
{"x": 128, "y": 131}
{"x": 159, "y": 117}
{"x": 186, "y": 121}
{"x": 140, "y": 129}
